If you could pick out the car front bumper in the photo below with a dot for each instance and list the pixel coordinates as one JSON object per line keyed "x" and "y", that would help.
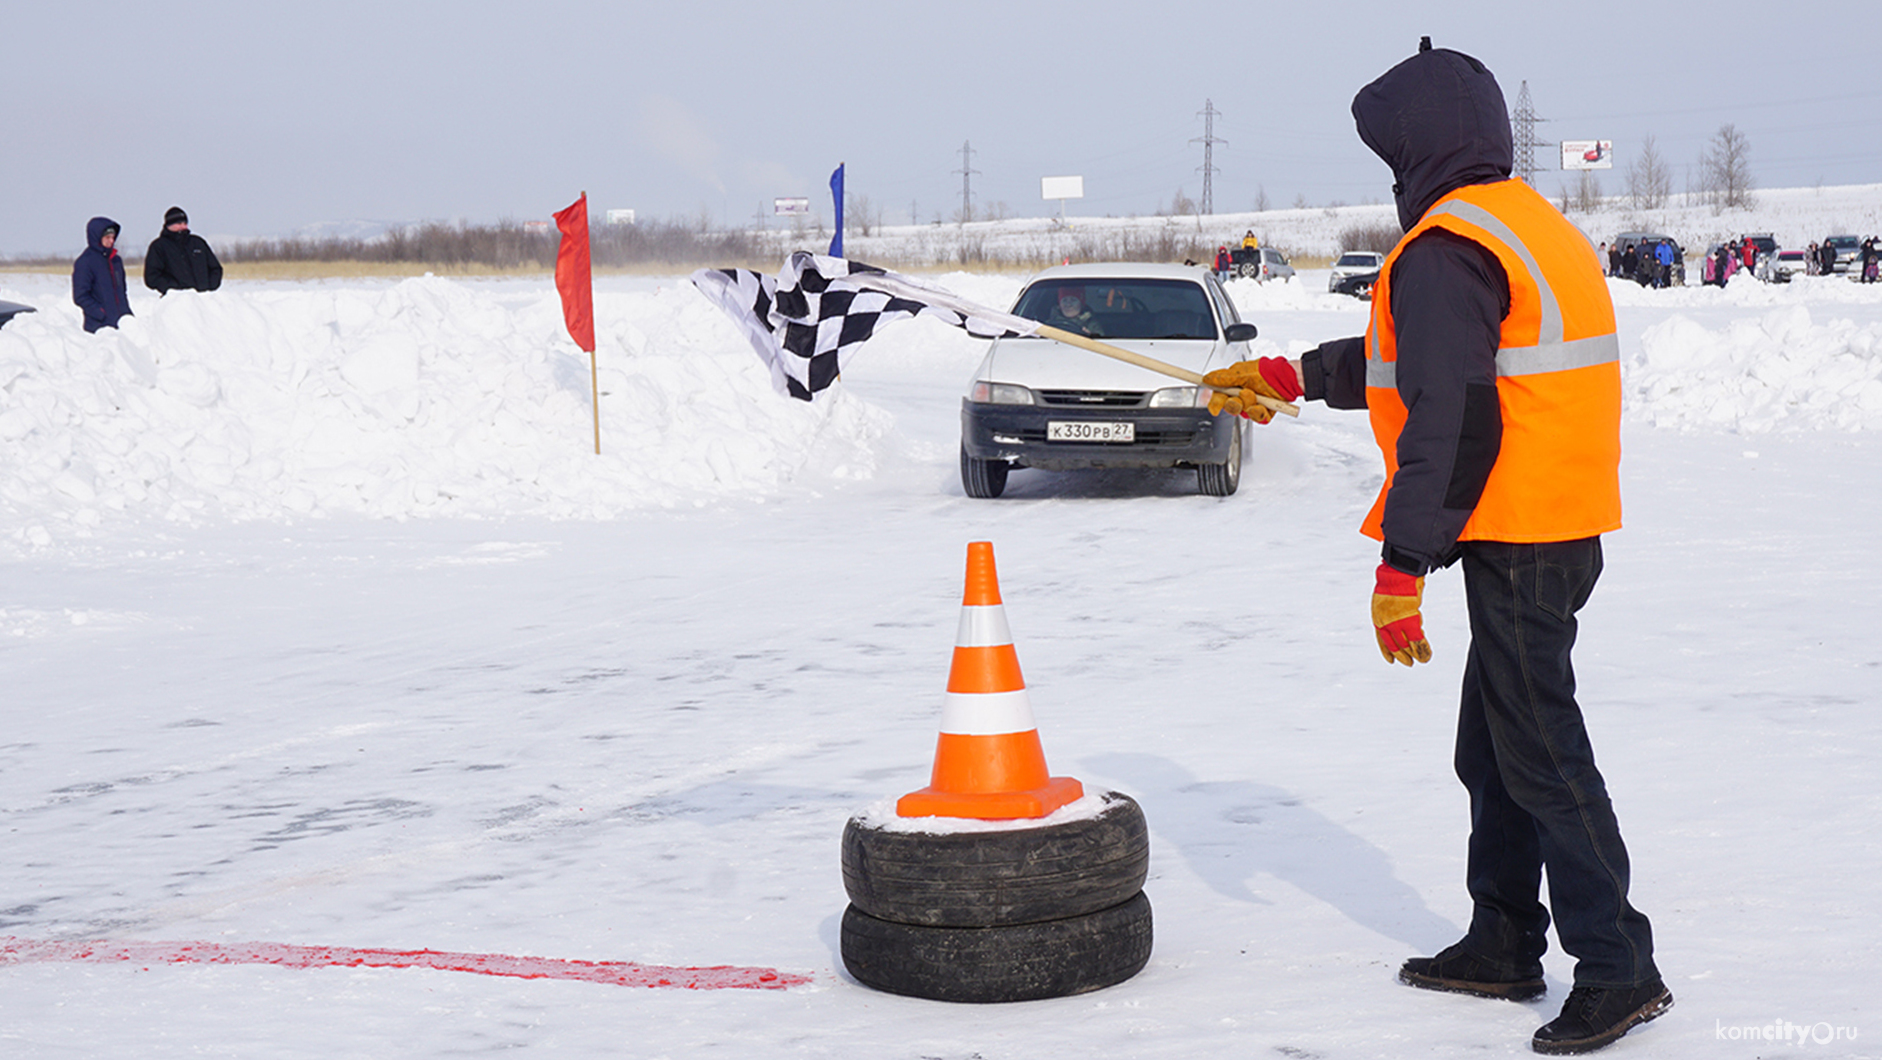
{"x": 1164, "y": 437}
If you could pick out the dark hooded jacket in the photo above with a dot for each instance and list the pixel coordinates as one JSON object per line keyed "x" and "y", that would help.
{"x": 181, "y": 261}
{"x": 98, "y": 285}
{"x": 1438, "y": 120}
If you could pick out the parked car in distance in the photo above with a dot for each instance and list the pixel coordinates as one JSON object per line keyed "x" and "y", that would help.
{"x": 1764, "y": 241}
{"x": 1038, "y": 403}
{"x": 1781, "y": 266}
{"x": 1263, "y": 264}
{"x": 1353, "y": 263}
{"x": 1848, "y": 250}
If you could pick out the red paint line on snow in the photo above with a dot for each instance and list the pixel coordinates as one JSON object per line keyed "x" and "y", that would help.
{"x": 615, "y": 973}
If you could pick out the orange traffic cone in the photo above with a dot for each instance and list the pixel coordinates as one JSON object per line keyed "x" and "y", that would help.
{"x": 988, "y": 762}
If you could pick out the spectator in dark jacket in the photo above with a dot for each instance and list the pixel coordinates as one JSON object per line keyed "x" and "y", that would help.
{"x": 1826, "y": 258}
{"x": 179, "y": 259}
{"x": 98, "y": 285}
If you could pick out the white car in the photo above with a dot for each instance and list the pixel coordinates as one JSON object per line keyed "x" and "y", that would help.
{"x": 1039, "y": 403}
{"x": 1353, "y": 263}
{"x": 1781, "y": 266}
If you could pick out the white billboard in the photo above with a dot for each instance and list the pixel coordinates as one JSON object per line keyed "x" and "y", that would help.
{"x": 1061, "y": 187}
{"x": 1587, "y": 154}
{"x": 790, "y": 207}
{"x": 620, "y": 217}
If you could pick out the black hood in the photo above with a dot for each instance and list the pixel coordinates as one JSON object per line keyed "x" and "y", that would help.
{"x": 1439, "y": 121}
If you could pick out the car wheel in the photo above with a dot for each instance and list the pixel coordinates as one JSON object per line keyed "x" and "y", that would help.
{"x": 1221, "y": 480}
{"x": 982, "y": 478}
{"x": 1020, "y": 875}
{"x": 1017, "y": 962}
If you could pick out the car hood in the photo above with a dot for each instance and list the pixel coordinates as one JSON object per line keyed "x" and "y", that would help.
{"x": 1045, "y": 364}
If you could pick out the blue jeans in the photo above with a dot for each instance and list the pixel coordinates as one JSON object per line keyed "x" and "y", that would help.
{"x": 1536, "y": 798}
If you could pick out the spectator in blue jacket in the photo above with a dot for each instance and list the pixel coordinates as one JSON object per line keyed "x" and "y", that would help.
{"x": 98, "y": 285}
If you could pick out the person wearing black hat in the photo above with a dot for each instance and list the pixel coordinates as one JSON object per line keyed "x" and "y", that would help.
{"x": 1491, "y": 374}
{"x": 178, "y": 259}
{"x": 98, "y": 285}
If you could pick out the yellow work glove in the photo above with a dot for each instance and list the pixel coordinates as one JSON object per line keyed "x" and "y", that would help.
{"x": 1271, "y": 377}
{"x": 1396, "y": 622}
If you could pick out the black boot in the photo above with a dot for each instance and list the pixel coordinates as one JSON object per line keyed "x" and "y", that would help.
{"x": 1593, "y": 1016}
{"x": 1460, "y": 971}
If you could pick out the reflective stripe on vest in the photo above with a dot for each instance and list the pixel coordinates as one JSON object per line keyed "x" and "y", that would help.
{"x": 1556, "y": 476}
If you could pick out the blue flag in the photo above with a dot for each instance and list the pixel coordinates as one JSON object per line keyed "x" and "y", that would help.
{"x": 836, "y": 189}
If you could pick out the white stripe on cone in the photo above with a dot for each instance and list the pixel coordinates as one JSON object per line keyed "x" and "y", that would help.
{"x": 987, "y": 713}
{"x": 982, "y": 626}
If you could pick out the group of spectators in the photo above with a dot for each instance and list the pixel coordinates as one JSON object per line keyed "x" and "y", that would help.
{"x": 1225, "y": 258}
{"x": 1724, "y": 261}
{"x": 178, "y": 260}
{"x": 1867, "y": 259}
{"x": 1648, "y": 263}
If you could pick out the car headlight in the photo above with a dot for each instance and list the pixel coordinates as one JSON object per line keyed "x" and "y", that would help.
{"x": 1176, "y": 397}
{"x": 999, "y": 394}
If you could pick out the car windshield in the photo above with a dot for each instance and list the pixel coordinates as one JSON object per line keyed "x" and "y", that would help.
{"x": 1364, "y": 261}
{"x": 1843, "y": 242}
{"x": 1123, "y": 309}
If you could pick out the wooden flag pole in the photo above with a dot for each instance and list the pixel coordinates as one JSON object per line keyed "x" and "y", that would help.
{"x": 1162, "y": 367}
{"x": 890, "y": 283}
{"x": 594, "y": 373}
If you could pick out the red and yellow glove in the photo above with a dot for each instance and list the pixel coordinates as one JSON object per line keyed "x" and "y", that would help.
{"x": 1270, "y": 377}
{"x": 1396, "y": 597}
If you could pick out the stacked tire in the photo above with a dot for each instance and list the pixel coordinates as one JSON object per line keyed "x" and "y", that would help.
{"x": 1016, "y": 914}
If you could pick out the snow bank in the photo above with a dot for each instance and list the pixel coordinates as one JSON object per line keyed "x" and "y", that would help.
{"x": 426, "y": 397}
{"x": 1777, "y": 371}
{"x": 432, "y": 397}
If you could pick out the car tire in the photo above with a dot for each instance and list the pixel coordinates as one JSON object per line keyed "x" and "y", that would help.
{"x": 1221, "y": 480}
{"x": 982, "y": 478}
{"x": 998, "y": 878}
{"x": 1016, "y": 962}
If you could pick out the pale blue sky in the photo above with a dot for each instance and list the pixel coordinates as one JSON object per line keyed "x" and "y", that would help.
{"x": 260, "y": 117}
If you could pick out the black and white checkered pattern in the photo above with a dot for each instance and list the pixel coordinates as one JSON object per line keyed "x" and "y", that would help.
{"x": 807, "y": 321}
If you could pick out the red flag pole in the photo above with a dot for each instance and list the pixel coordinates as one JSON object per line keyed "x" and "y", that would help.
{"x": 575, "y": 282}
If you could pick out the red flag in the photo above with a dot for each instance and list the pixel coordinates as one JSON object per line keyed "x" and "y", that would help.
{"x": 574, "y": 279}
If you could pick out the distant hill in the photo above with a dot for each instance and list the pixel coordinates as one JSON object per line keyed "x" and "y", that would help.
{"x": 1796, "y": 216}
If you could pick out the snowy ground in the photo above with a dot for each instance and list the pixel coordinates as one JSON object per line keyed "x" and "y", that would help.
{"x": 321, "y": 624}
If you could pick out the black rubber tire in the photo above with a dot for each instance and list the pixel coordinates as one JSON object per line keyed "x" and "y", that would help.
{"x": 1221, "y": 480}
{"x": 1018, "y": 962}
{"x": 990, "y": 879}
{"x": 982, "y": 478}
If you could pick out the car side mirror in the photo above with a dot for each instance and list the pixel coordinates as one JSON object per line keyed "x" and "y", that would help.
{"x": 1241, "y": 332}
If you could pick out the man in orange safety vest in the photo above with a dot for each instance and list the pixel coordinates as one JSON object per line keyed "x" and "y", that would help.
{"x": 1491, "y": 375}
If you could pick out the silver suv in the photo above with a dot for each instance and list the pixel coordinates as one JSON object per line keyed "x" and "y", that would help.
{"x": 1265, "y": 264}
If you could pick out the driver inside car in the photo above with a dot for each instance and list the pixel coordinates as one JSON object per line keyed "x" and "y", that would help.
{"x": 1070, "y": 314}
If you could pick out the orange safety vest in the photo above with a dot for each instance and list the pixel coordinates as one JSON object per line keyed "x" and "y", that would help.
{"x": 1558, "y": 372}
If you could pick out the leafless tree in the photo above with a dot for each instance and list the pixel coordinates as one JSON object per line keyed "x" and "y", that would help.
{"x": 1649, "y": 184}
{"x": 1584, "y": 195}
{"x": 1180, "y": 205}
{"x": 1379, "y": 236}
{"x": 1727, "y": 169}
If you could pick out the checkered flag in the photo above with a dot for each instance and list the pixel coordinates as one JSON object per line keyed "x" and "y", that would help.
{"x": 807, "y": 321}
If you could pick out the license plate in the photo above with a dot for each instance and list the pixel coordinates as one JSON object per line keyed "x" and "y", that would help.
{"x": 1090, "y": 431}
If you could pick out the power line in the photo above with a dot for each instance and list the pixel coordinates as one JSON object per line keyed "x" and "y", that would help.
{"x": 1208, "y": 140}
{"x": 1523, "y": 136}
{"x": 967, "y": 172}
